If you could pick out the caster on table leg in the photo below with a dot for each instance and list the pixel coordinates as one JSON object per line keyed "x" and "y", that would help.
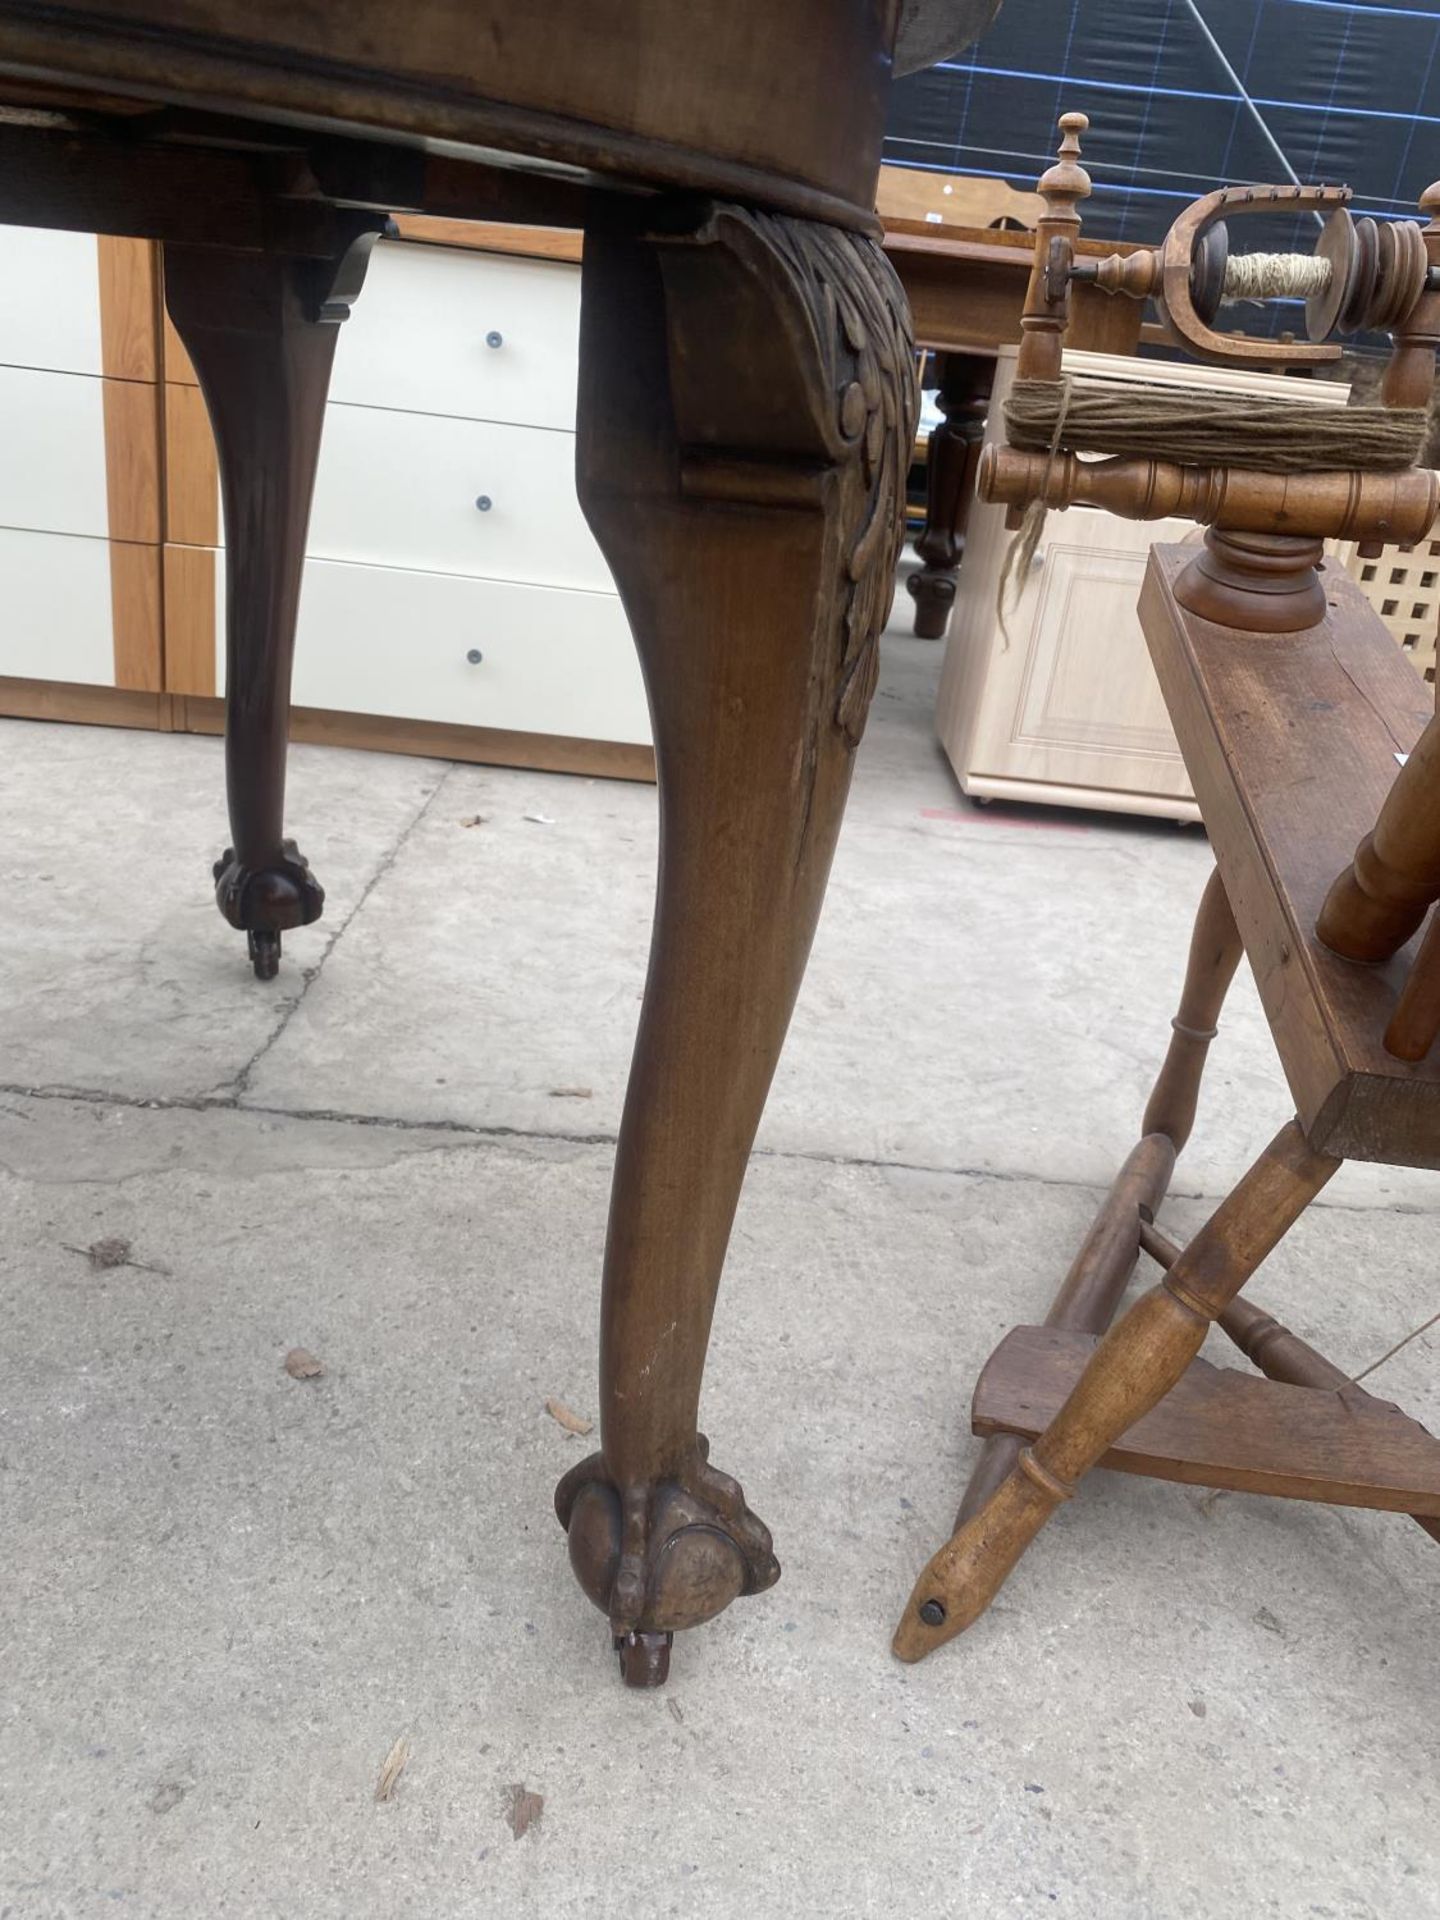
{"x": 263, "y": 902}
{"x": 644, "y": 1658}
{"x": 264, "y": 953}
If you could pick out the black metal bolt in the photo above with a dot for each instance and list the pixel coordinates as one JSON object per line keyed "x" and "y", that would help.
{"x": 474, "y": 656}
{"x": 932, "y": 1613}
{"x": 483, "y": 502}
{"x": 493, "y": 339}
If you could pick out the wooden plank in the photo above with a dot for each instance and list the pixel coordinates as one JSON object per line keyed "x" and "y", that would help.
{"x": 1222, "y": 1428}
{"x": 1290, "y": 741}
{"x": 952, "y": 199}
{"x": 135, "y": 607}
{"x": 492, "y": 236}
{"x": 430, "y": 739}
{"x": 689, "y": 97}
{"x": 132, "y": 460}
{"x": 189, "y": 574}
{"x": 129, "y": 307}
{"x": 192, "y": 475}
{"x": 76, "y": 705}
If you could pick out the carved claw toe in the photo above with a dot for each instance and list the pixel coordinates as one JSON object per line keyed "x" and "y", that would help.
{"x": 657, "y": 1558}
{"x": 263, "y": 902}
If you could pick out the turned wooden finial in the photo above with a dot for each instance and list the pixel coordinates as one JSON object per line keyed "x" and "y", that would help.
{"x": 1067, "y": 181}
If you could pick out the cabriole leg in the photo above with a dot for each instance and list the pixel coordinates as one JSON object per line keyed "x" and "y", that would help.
{"x": 746, "y": 413}
{"x": 260, "y": 328}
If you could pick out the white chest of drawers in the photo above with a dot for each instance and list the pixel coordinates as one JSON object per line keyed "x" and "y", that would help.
{"x": 450, "y": 582}
{"x": 450, "y": 577}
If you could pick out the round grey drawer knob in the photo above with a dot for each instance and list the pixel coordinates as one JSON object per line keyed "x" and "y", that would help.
{"x": 474, "y": 656}
{"x": 483, "y": 502}
{"x": 493, "y": 339}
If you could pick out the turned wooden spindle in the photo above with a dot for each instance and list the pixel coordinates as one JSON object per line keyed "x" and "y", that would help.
{"x": 1381, "y": 898}
{"x": 1133, "y": 1368}
{"x": 1410, "y": 376}
{"x": 1215, "y": 952}
{"x": 1092, "y": 1290}
{"x": 1047, "y": 297}
{"x": 1415, "y": 1024}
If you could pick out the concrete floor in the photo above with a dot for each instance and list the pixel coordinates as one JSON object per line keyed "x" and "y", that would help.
{"x": 226, "y": 1593}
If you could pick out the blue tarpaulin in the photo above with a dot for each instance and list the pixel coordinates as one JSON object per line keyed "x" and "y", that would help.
{"x": 1184, "y": 97}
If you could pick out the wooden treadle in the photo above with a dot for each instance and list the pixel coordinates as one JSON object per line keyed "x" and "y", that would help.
{"x": 1223, "y": 1428}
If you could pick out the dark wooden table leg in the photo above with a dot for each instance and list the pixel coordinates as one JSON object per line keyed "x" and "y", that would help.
{"x": 260, "y": 328}
{"x": 747, "y": 410}
{"x": 954, "y": 450}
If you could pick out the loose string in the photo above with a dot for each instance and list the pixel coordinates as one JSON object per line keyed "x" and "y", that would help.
{"x": 1021, "y": 552}
{"x": 1398, "y": 1347}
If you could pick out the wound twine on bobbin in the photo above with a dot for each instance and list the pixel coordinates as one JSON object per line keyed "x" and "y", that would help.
{"x": 1195, "y": 428}
{"x": 1275, "y": 276}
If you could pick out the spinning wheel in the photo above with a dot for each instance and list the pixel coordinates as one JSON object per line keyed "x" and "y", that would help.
{"x": 1289, "y": 700}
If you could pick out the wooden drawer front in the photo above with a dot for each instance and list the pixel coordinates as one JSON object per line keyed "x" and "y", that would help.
{"x": 58, "y": 625}
{"x": 49, "y": 300}
{"x": 400, "y": 490}
{"x": 385, "y": 641}
{"x": 418, "y": 337}
{"x": 52, "y": 452}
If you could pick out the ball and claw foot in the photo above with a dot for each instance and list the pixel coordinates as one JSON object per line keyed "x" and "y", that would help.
{"x": 264, "y": 902}
{"x": 660, "y": 1557}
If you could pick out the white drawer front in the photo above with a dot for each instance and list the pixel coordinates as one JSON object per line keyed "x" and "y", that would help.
{"x": 384, "y": 641}
{"x": 400, "y": 490}
{"x": 49, "y": 300}
{"x": 419, "y": 337}
{"x": 52, "y": 452}
{"x": 55, "y": 591}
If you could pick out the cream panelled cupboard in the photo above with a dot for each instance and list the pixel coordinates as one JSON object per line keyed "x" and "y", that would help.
{"x": 1064, "y": 708}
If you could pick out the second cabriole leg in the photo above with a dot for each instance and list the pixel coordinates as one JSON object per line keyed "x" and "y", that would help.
{"x": 260, "y": 328}
{"x": 747, "y": 409}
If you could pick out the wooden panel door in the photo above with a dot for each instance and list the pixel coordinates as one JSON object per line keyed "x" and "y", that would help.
{"x": 1073, "y": 700}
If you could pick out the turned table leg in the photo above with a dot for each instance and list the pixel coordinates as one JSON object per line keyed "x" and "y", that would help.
{"x": 953, "y": 454}
{"x": 260, "y": 328}
{"x": 747, "y": 407}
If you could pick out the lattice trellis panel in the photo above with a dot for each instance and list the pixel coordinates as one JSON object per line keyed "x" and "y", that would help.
{"x": 1403, "y": 586}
